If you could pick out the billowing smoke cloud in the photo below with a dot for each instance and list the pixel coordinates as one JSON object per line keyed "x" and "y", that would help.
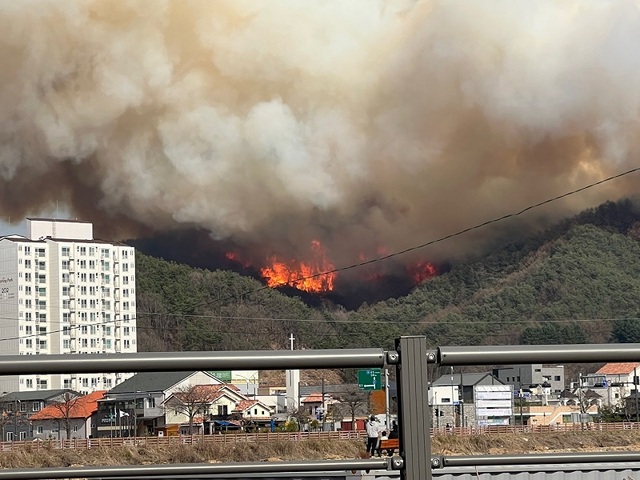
{"x": 366, "y": 124}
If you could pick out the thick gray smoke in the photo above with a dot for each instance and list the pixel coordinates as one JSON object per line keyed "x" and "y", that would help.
{"x": 365, "y": 124}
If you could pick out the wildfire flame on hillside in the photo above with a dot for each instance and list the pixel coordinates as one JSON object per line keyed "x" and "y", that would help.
{"x": 422, "y": 271}
{"x": 307, "y": 276}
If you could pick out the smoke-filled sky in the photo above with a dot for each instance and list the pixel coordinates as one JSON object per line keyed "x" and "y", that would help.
{"x": 370, "y": 125}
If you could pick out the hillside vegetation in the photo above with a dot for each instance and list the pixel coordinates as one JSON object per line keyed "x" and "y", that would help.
{"x": 575, "y": 283}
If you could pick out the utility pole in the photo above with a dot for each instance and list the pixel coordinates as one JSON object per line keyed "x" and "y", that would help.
{"x": 580, "y": 395}
{"x": 635, "y": 383}
{"x": 323, "y": 411}
{"x": 453, "y": 403}
{"x": 461, "y": 398}
{"x": 386, "y": 398}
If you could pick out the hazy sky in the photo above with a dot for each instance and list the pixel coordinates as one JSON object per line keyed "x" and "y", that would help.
{"x": 369, "y": 125}
{"x": 6, "y": 229}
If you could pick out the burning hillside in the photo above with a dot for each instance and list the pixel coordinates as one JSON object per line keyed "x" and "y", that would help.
{"x": 316, "y": 276}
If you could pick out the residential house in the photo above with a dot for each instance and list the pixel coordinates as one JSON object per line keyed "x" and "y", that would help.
{"x": 347, "y": 407}
{"x": 17, "y": 408}
{"x": 136, "y": 406}
{"x": 453, "y": 396}
{"x": 253, "y": 414}
{"x": 619, "y": 381}
{"x": 69, "y": 418}
{"x": 525, "y": 377}
{"x": 202, "y": 408}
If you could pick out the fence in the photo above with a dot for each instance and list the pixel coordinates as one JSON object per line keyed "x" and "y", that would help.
{"x": 410, "y": 359}
{"x": 238, "y": 438}
{"x": 153, "y": 441}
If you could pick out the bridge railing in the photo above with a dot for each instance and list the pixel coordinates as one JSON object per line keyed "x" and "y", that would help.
{"x": 410, "y": 358}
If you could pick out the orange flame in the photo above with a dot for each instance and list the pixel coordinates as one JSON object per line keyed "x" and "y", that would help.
{"x": 301, "y": 275}
{"x": 422, "y": 271}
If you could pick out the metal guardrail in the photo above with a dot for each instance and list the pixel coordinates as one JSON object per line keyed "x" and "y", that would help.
{"x": 414, "y": 418}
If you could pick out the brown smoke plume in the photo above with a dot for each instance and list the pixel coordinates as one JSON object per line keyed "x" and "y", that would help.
{"x": 268, "y": 124}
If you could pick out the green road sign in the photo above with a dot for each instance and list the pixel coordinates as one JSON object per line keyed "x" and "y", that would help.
{"x": 370, "y": 379}
{"x": 223, "y": 375}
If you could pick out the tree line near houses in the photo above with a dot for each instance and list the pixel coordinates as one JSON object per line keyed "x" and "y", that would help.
{"x": 576, "y": 282}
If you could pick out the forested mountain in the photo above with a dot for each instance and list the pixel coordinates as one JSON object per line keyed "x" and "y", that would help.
{"x": 578, "y": 282}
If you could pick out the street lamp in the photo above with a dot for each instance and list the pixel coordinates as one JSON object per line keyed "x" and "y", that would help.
{"x": 251, "y": 379}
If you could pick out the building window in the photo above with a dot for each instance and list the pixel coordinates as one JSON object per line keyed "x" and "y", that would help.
{"x": 37, "y": 406}
{"x": 556, "y": 378}
{"x": 65, "y": 251}
{"x": 29, "y": 383}
{"x": 40, "y": 429}
{"x": 127, "y": 344}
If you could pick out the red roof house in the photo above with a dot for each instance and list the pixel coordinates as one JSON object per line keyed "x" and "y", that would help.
{"x": 68, "y": 419}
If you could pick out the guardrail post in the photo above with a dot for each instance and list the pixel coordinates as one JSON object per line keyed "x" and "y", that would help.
{"x": 414, "y": 420}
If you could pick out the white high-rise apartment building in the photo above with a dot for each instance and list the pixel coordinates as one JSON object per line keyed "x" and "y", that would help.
{"x": 63, "y": 292}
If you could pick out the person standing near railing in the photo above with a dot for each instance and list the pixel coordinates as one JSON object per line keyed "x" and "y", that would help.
{"x": 372, "y": 435}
